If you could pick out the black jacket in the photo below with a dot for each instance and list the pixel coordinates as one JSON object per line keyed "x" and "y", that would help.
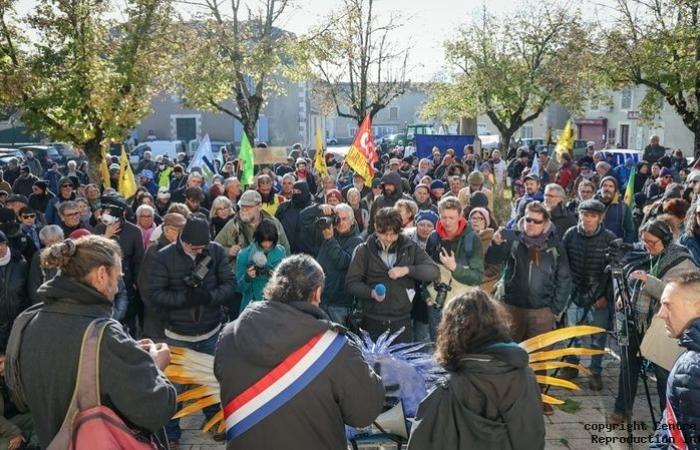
{"x": 562, "y": 219}
{"x": 387, "y": 201}
{"x": 683, "y": 393}
{"x": 152, "y": 317}
{"x": 36, "y": 277}
{"x": 529, "y": 284}
{"x": 490, "y": 403}
{"x": 587, "y": 262}
{"x": 131, "y": 242}
{"x": 290, "y": 216}
{"x": 130, "y": 383}
{"x": 367, "y": 270}
{"x": 13, "y": 293}
{"x": 187, "y": 311}
{"x": 334, "y": 255}
{"x": 346, "y": 391}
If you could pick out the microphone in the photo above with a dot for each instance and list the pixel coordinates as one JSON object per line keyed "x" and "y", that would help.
{"x": 380, "y": 290}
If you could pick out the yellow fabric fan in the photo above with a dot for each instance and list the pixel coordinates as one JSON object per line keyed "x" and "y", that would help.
{"x": 545, "y": 359}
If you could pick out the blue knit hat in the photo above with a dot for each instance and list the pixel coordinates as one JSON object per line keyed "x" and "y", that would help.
{"x": 426, "y": 214}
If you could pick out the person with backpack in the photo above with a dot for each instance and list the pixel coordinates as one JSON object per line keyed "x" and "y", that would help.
{"x": 46, "y": 346}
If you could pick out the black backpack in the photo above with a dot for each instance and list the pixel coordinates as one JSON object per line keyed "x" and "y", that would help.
{"x": 14, "y": 344}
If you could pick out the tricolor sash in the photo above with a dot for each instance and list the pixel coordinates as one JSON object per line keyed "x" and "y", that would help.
{"x": 675, "y": 431}
{"x": 282, "y": 383}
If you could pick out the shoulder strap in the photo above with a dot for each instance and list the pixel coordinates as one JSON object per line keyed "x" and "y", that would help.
{"x": 86, "y": 391}
{"x": 13, "y": 377}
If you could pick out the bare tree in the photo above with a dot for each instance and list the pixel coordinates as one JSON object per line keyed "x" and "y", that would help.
{"x": 361, "y": 69}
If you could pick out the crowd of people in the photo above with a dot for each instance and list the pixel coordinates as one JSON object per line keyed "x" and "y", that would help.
{"x": 471, "y": 253}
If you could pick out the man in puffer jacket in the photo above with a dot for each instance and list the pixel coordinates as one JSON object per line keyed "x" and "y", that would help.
{"x": 680, "y": 311}
{"x": 190, "y": 303}
{"x": 395, "y": 261}
{"x": 392, "y": 191}
{"x": 587, "y": 245}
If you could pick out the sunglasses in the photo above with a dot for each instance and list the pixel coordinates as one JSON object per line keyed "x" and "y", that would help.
{"x": 28, "y": 216}
{"x": 66, "y": 186}
{"x": 535, "y": 221}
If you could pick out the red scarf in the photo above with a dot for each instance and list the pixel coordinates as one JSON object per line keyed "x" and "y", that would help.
{"x": 440, "y": 228}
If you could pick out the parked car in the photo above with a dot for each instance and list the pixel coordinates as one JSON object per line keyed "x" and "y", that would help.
{"x": 215, "y": 147}
{"x": 68, "y": 152}
{"x": 170, "y": 148}
{"x": 6, "y": 154}
{"x": 331, "y": 141}
{"x": 44, "y": 153}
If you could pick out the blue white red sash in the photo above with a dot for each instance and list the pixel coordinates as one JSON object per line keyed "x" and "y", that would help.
{"x": 675, "y": 431}
{"x": 282, "y": 383}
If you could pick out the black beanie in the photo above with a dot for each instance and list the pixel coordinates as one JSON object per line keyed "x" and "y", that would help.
{"x": 196, "y": 232}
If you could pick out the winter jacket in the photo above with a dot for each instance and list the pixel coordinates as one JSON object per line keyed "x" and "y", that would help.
{"x": 562, "y": 220}
{"x": 673, "y": 261}
{"x": 289, "y": 215}
{"x": 37, "y": 276}
{"x": 40, "y": 202}
{"x": 13, "y": 293}
{"x": 252, "y": 288}
{"x": 683, "y": 394}
{"x": 618, "y": 219}
{"x": 51, "y": 213}
{"x": 587, "y": 262}
{"x": 130, "y": 241}
{"x": 487, "y": 404}
{"x": 235, "y": 232}
{"x": 691, "y": 241}
{"x": 152, "y": 317}
{"x": 367, "y": 269}
{"x": 467, "y": 249}
{"x": 23, "y": 185}
{"x": 528, "y": 284}
{"x": 387, "y": 201}
{"x": 334, "y": 255}
{"x": 130, "y": 383}
{"x": 346, "y": 391}
{"x": 189, "y": 311}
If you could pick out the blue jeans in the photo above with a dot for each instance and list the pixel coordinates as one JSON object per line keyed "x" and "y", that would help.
{"x": 596, "y": 317}
{"x": 208, "y": 346}
{"x": 338, "y": 314}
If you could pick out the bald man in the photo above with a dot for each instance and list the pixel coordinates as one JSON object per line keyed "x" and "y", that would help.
{"x": 680, "y": 311}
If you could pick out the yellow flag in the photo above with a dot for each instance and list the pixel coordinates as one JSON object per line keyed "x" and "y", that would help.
{"x": 104, "y": 171}
{"x": 320, "y": 158}
{"x": 127, "y": 183}
{"x": 565, "y": 143}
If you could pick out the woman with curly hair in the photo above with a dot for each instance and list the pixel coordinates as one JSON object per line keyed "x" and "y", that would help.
{"x": 489, "y": 399}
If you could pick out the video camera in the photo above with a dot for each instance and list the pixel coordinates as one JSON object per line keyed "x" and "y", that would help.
{"x": 325, "y": 222}
{"x": 616, "y": 252}
{"x": 200, "y": 271}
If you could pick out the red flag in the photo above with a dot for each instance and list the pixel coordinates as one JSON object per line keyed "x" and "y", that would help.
{"x": 363, "y": 153}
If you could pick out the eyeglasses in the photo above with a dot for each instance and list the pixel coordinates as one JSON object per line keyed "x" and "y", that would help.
{"x": 535, "y": 221}
{"x": 72, "y": 214}
{"x": 28, "y": 216}
{"x": 651, "y": 242}
{"x": 66, "y": 186}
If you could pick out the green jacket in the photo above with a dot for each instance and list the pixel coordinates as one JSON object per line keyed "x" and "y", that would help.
{"x": 252, "y": 288}
{"x": 236, "y": 232}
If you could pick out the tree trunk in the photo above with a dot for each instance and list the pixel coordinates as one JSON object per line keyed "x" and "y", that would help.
{"x": 249, "y": 129}
{"x": 505, "y": 142}
{"x": 93, "y": 151}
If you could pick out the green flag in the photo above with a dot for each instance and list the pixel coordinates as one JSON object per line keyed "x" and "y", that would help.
{"x": 629, "y": 192}
{"x": 246, "y": 158}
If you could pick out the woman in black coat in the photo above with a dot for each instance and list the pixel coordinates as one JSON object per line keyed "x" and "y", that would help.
{"x": 490, "y": 399}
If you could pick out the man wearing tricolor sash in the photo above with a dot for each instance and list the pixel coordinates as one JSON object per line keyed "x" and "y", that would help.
{"x": 680, "y": 310}
{"x": 289, "y": 378}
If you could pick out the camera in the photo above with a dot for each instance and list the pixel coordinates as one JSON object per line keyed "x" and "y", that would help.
{"x": 441, "y": 290}
{"x": 617, "y": 252}
{"x": 200, "y": 271}
{"x": 324, "y": 222}
{"x": 258, "y": 260}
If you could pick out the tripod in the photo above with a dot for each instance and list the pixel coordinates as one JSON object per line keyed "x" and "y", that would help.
{"x": 626, "y": 329}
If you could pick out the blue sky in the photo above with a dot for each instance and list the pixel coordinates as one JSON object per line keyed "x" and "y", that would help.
{"x": 428, "y": 23}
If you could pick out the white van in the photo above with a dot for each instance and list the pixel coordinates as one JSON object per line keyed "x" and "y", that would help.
{"x": 170, "y": 148}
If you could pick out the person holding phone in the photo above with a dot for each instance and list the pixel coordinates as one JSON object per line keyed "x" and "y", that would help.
{"x": 536, "y": 280}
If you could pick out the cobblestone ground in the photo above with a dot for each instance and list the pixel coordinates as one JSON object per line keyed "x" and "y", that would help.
{"x": 573, "y": 425}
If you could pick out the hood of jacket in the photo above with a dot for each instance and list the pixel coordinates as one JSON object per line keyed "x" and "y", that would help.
{"x": 395, "y": 179}
{"x": 302, "y": 199}
{"x": 293, "y": 324}
{"x": 62, "y": 288}
{"x": 673, "y": 255}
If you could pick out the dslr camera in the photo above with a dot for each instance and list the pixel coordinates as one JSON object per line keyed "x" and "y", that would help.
{"x": 441, "y": 290}
{"x": 324, "y": 222}
{"x": 195, "y": 279}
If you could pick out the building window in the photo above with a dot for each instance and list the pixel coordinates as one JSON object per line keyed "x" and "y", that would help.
{"x": 611, "y": 135}
{"x": 626, "y": 98}
{"x": 394, "y": 113}
{"x": 526, "y": 132}
{"x": 352, "y": 131}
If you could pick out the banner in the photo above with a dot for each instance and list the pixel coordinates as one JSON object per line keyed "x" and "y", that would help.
{"x": 363, "y": 154}
{"x": 457, "y": 142}
{"x": 127, "y": 182}
{"x": 565, "y": 143}
{"x": 629, "y": 191}
{"x": 320, "y": 156}
{"x": 204, "y": 159}
{"x": 246, "y": 163}
{"x": 104, "y": 171}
